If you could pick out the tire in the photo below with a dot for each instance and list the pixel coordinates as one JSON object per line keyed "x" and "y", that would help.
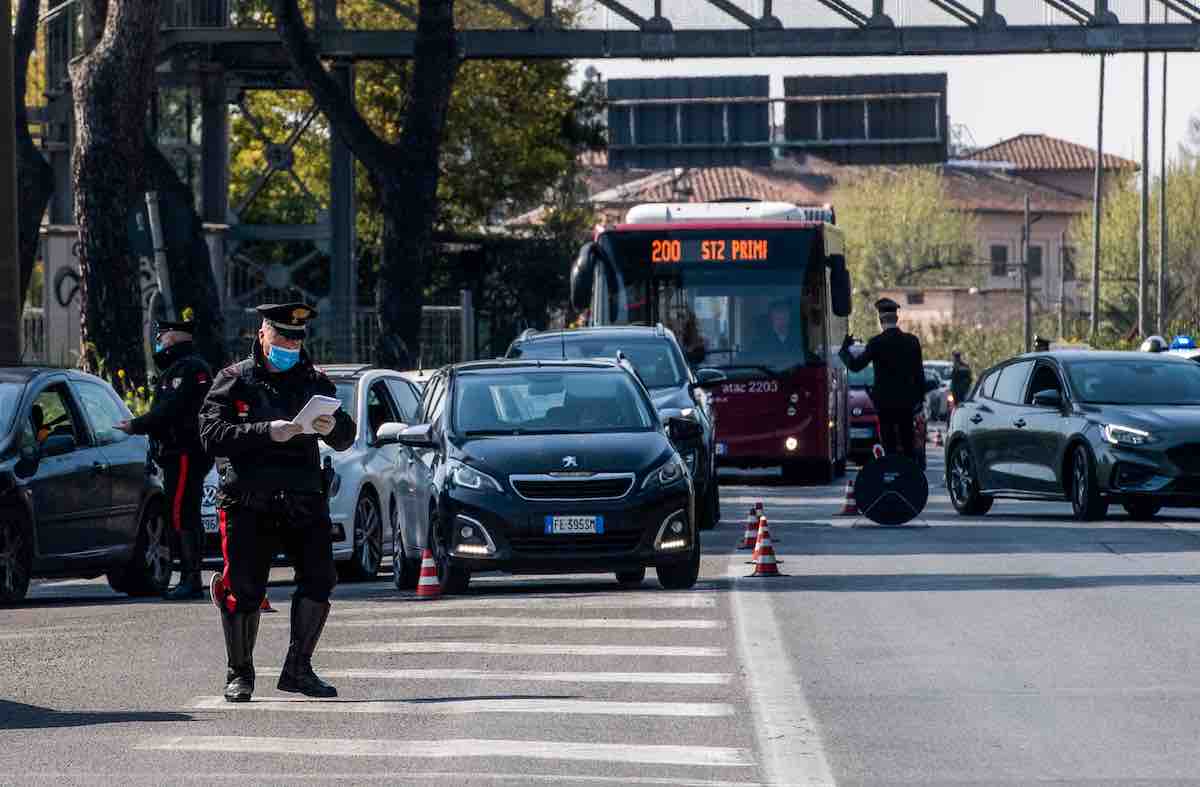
{"x": 1086, "y": 503}
{"x": 631, "y": 579}
{"x": 16, "y": 555}
{"x": 710, "y": 508}
{"x": 455, "y": 579}
{"x": 148, "y": 572}
{"x": 963, "y": 483}
{"x": 923, "y": 460}
{"x": 1142, "y": 509}
{"x": 367, "y": 545}
{"x": 405, "y": 571}
{"x": 681, "y": 575}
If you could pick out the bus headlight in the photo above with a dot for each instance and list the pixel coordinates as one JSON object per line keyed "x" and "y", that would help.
{"x": 791, "y": 444}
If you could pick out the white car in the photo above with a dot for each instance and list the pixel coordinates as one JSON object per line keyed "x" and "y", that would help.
{"x": 939, "y": 399}
{"x": 364, "y": 499}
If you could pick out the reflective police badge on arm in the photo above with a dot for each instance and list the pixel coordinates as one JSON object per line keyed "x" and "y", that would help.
{"x": 317, "y": 406}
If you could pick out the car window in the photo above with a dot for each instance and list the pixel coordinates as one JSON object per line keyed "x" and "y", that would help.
{"x": 1010, "y": 387}
{"x": 987, "y": 386}
{"x": 427, "y": 400}
{"x": 51, "y": 415}
{"x": 1045, "y": 378}
{"x": 103, "y": 411}
{"x": 431, "y": 406}
{"x": 345, "y": 394}
{"x": 404, "y": 396}
{"x": 1131, "y": 382}
{"x": 10, "y": 397}
{"x": 548, "y": 402}
{"x": 655, "y": 359}
{"x": 379, "y": 406}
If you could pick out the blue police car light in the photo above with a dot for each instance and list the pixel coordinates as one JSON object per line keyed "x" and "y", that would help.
{"x": 1183, "y": 343}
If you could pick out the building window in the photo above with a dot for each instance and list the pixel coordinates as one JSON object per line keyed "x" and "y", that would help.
{"x": 999, "y": 260}
{"x": 1034, "y": 263}
{"x": 1068, "y": 254}
{"x": 915, "y": 298}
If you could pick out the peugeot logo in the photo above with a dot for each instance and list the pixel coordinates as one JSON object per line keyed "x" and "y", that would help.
{"x": 570, "y": 461}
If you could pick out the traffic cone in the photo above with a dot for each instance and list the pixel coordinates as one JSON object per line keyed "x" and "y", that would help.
{"x": 765, "y": 564}
{"x": 266, "y": 605}
{"x": 850, "y": 507}
{"x": 428, "y": 586}
{"x": 877, "y": 451}
{"x": 751, "y": 534}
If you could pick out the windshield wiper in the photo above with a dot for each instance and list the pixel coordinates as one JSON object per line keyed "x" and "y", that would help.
{"x": 491, "y": 432}
{"x": 767, "y": 370}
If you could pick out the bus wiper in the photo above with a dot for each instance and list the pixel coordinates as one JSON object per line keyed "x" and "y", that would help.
{"x": 767, "y": 370}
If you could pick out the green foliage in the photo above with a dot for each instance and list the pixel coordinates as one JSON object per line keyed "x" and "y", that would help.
{"x": 135, "y": 394}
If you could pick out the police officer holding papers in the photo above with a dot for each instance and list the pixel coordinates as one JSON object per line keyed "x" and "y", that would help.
{"x": 899, "y": 377}
{"x": 273, "y": 493}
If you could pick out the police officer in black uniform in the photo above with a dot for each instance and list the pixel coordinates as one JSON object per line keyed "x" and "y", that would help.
{"x": 185, "y": 378}
{"x": 899, "y": 377}
{"x": 273, "y": 493}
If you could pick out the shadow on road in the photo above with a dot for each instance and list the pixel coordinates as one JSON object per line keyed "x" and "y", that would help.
{"x": 925, "y": 583}
{"x": 19, "y": 716}
{"x": 990, "y": 540}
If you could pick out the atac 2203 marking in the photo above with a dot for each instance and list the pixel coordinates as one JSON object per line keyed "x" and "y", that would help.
{"x": 754, "y": 386}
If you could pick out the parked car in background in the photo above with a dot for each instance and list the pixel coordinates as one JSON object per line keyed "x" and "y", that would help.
{"x": 864, "y": 421}
{"x": 939, "y": 398}
{"x": 367, "y": 488}
{"x": 78, "y": 498}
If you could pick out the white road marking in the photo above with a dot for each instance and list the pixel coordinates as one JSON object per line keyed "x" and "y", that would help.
{"x": 358, "y": 777}
{"x": 668, "y": 678}
{"x": 542, "y": 602}
{"x": 467, "y": 707}
{"x": 431, "y": 621}
{"x": 787, "y": 729}
{"x": 460, "y": 748}
{"x": 524, "y": 649}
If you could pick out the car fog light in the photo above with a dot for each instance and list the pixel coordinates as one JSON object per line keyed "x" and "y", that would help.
{"x": 677, "y": 527}
{"x": 467, "y": 531}
{"x": 471, "y": 549}
{"x": 677, "y": 543}
{"x": 791, "y": 411}
{"x": 794, "y": 398}
{"x": 791, "y": 444}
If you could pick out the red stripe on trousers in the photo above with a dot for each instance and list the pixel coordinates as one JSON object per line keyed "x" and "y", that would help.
{"x": 230, "y": 601}
{"x": 180, "y": 488}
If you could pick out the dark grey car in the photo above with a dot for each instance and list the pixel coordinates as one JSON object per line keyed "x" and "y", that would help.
{"x": 1094, "y": 428}
{"x": 78, "y": 498}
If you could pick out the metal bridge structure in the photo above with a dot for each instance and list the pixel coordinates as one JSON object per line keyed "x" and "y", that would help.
{"x": 212, "y": 52}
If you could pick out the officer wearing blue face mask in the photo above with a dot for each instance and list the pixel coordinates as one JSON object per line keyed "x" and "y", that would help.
{"x": 272, "y": 494}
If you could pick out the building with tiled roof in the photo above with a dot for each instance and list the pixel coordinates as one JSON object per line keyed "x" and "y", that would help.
{"x": 1051, "y": 161}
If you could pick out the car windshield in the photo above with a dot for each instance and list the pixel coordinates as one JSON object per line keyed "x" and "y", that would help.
{"x": 345, "y": 394}
{"x": 10, "y": 396}
{"x": 863, "y": 379}
{"x": 549, "y": 401}
{"x": 654, "y": 360}
{"x": 1136, "y": 382}
{"x": 943, "y": 371}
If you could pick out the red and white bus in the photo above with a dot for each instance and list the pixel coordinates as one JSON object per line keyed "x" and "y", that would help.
{"x": 758, "y": 295}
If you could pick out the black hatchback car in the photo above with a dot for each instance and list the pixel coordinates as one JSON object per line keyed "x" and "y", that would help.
{"x": 554, "y": 467}
{"x": 1094, "y": 428}
{"x": 659, "y": 361}
{"x": 78, "y": 498}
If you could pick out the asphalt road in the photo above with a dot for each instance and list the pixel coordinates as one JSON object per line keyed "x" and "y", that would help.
{"x": 1012, "y": 649}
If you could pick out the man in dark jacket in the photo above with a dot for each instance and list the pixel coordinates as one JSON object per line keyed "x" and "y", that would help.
{"x": 171, "y": 423}
{"x": 960, "y": 378}
{"x": 273, "y": 492}
{"x": 899, "y": 377}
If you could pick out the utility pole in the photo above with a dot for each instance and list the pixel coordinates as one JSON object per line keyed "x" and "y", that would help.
{"x": 1062, "y": 286}
{"x": 1164, "y": 282}
{"x": 10, "y": 276}
{"x": 1027, "y": 318}
{"x": 1097, "y": 213}
{"x": 1144, "y": 225}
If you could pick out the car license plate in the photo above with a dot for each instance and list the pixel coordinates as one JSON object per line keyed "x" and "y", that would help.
{"x": 574, "y": 525}
{"x": 210, "y": 524}
{"x": 722, "y": 449}
{"x": 862, "y": 432}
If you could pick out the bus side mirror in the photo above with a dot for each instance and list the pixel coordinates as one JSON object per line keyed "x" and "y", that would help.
{"x": 581, "y": 277}
{"x": 839, "y": 286}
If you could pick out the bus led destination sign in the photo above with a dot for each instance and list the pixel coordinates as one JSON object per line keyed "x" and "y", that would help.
{"x": 710, "y": 250}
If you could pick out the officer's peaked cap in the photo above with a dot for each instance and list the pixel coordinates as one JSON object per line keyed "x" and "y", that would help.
{"x": 886, "y": 306}
{"x": 187, "y": 326}
{"x": 289, "y": 319}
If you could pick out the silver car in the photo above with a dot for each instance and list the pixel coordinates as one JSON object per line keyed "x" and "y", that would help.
{"x": 366, "y": 496}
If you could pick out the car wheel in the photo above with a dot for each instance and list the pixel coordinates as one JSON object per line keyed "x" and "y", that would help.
{"x": 16, "y": 556}
{"x": 405, "y": 570}
{"x": 454, "y": 579}
{"x": 148, "y": 573}
{"x": 631, "y": 579}
{"x": 1142, "y": 509}
{"x": 1086, "y": 503}
{"x": 367, "y": 550}
{"x": 681, "y": 575}
{"x": 964, "y": 484}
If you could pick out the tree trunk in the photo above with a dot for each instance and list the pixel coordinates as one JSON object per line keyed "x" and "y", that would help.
{"x": 35, "y": 178}
{"x": 111, "y": 88}
{"x": 404, "y": 176}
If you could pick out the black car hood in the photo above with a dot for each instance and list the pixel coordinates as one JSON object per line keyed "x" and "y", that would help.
{"x": 1149, "y": 418}
{"x": 676, "y": 398}
{"x": 600, "y": 453}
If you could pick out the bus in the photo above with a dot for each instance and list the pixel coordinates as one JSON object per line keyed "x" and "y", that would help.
{"x": 758, "y": 295}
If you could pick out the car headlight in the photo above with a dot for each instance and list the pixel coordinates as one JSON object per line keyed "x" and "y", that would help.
{"x": 856, "y": 411}
{"x": 1125, "y": 435}
{"x": 458, "y": 474}
{"x": 668, "y": 473}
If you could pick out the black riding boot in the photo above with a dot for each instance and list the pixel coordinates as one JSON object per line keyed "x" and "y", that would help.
{"x": 191, "y": 550}
{"x": 241, "y": 629}
{"x": 308, "y": 618}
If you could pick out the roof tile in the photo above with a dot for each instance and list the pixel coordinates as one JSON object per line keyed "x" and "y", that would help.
{"x": 1040, "y": 152}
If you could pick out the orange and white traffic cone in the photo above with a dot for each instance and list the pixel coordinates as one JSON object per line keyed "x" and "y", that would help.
{"x": 266, "y": 605}
{"x": 751, "y": 533}
{"x": 877, "y": 451}
{"x": 428, "y": 586}
{"x": 850, "y": 507}
{"x": 765, "y": 564}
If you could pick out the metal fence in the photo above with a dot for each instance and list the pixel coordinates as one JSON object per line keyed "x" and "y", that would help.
{"x": 33, "y": 336}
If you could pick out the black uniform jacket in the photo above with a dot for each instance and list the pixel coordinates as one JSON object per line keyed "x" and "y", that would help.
{"x": 171, "y": 422}
{"x": 235, "y": 426}
{"x": 899, "y": 372}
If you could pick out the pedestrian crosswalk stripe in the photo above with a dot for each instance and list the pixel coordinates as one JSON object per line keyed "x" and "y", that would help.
{"x": 526, "y": 649}
{"x": 554, "y": 602}
{"x": 456, "y": 707}
{"x": 459, "y": 748}
{"x": 430, "y": 621}
{"x": 671, "y": 678}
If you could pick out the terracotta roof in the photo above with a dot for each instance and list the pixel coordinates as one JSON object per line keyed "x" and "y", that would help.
{"x": 1040, "y": 152}
{"x": 991, "y": 191}
{"x": 709, "y": 184}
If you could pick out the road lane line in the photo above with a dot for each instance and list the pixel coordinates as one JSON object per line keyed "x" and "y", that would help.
{"x": 431, "y": 621}
{"x": 459, "y": 748}
{"x": 787, "y": 731}
{"x": 666, "y": 678}
{"x": 542, "y": 602}
{"x": 454, "y": 707}
{"x": 358, "y": 777}
{"x": 525, "y": 649}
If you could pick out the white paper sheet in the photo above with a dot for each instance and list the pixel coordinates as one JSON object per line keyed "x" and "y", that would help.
{"x": 316, "y": 406}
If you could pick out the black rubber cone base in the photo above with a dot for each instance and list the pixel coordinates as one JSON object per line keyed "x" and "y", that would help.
{"x": 891, "y": 491}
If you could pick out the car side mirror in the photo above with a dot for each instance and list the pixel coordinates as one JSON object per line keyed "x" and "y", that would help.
{"x": 389, "y": 433}
{"x": 710, "y": 377}
{"x": 417, "y": 436}
{"x": 28, "y": 459}
{"x": 682, "y": 430}
{"x": 1048, "y": 398}
{"x": 839, "y": 286}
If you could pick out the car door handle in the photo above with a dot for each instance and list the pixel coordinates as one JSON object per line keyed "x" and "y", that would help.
{"x": 977, "y": 419}
{"x": 99, "y": 468}
{"x": 1019, "y": 423}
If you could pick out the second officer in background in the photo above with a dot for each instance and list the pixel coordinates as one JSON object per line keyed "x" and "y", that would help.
{"x": 273, "y": 493}
{"x": 171, "y": 423}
